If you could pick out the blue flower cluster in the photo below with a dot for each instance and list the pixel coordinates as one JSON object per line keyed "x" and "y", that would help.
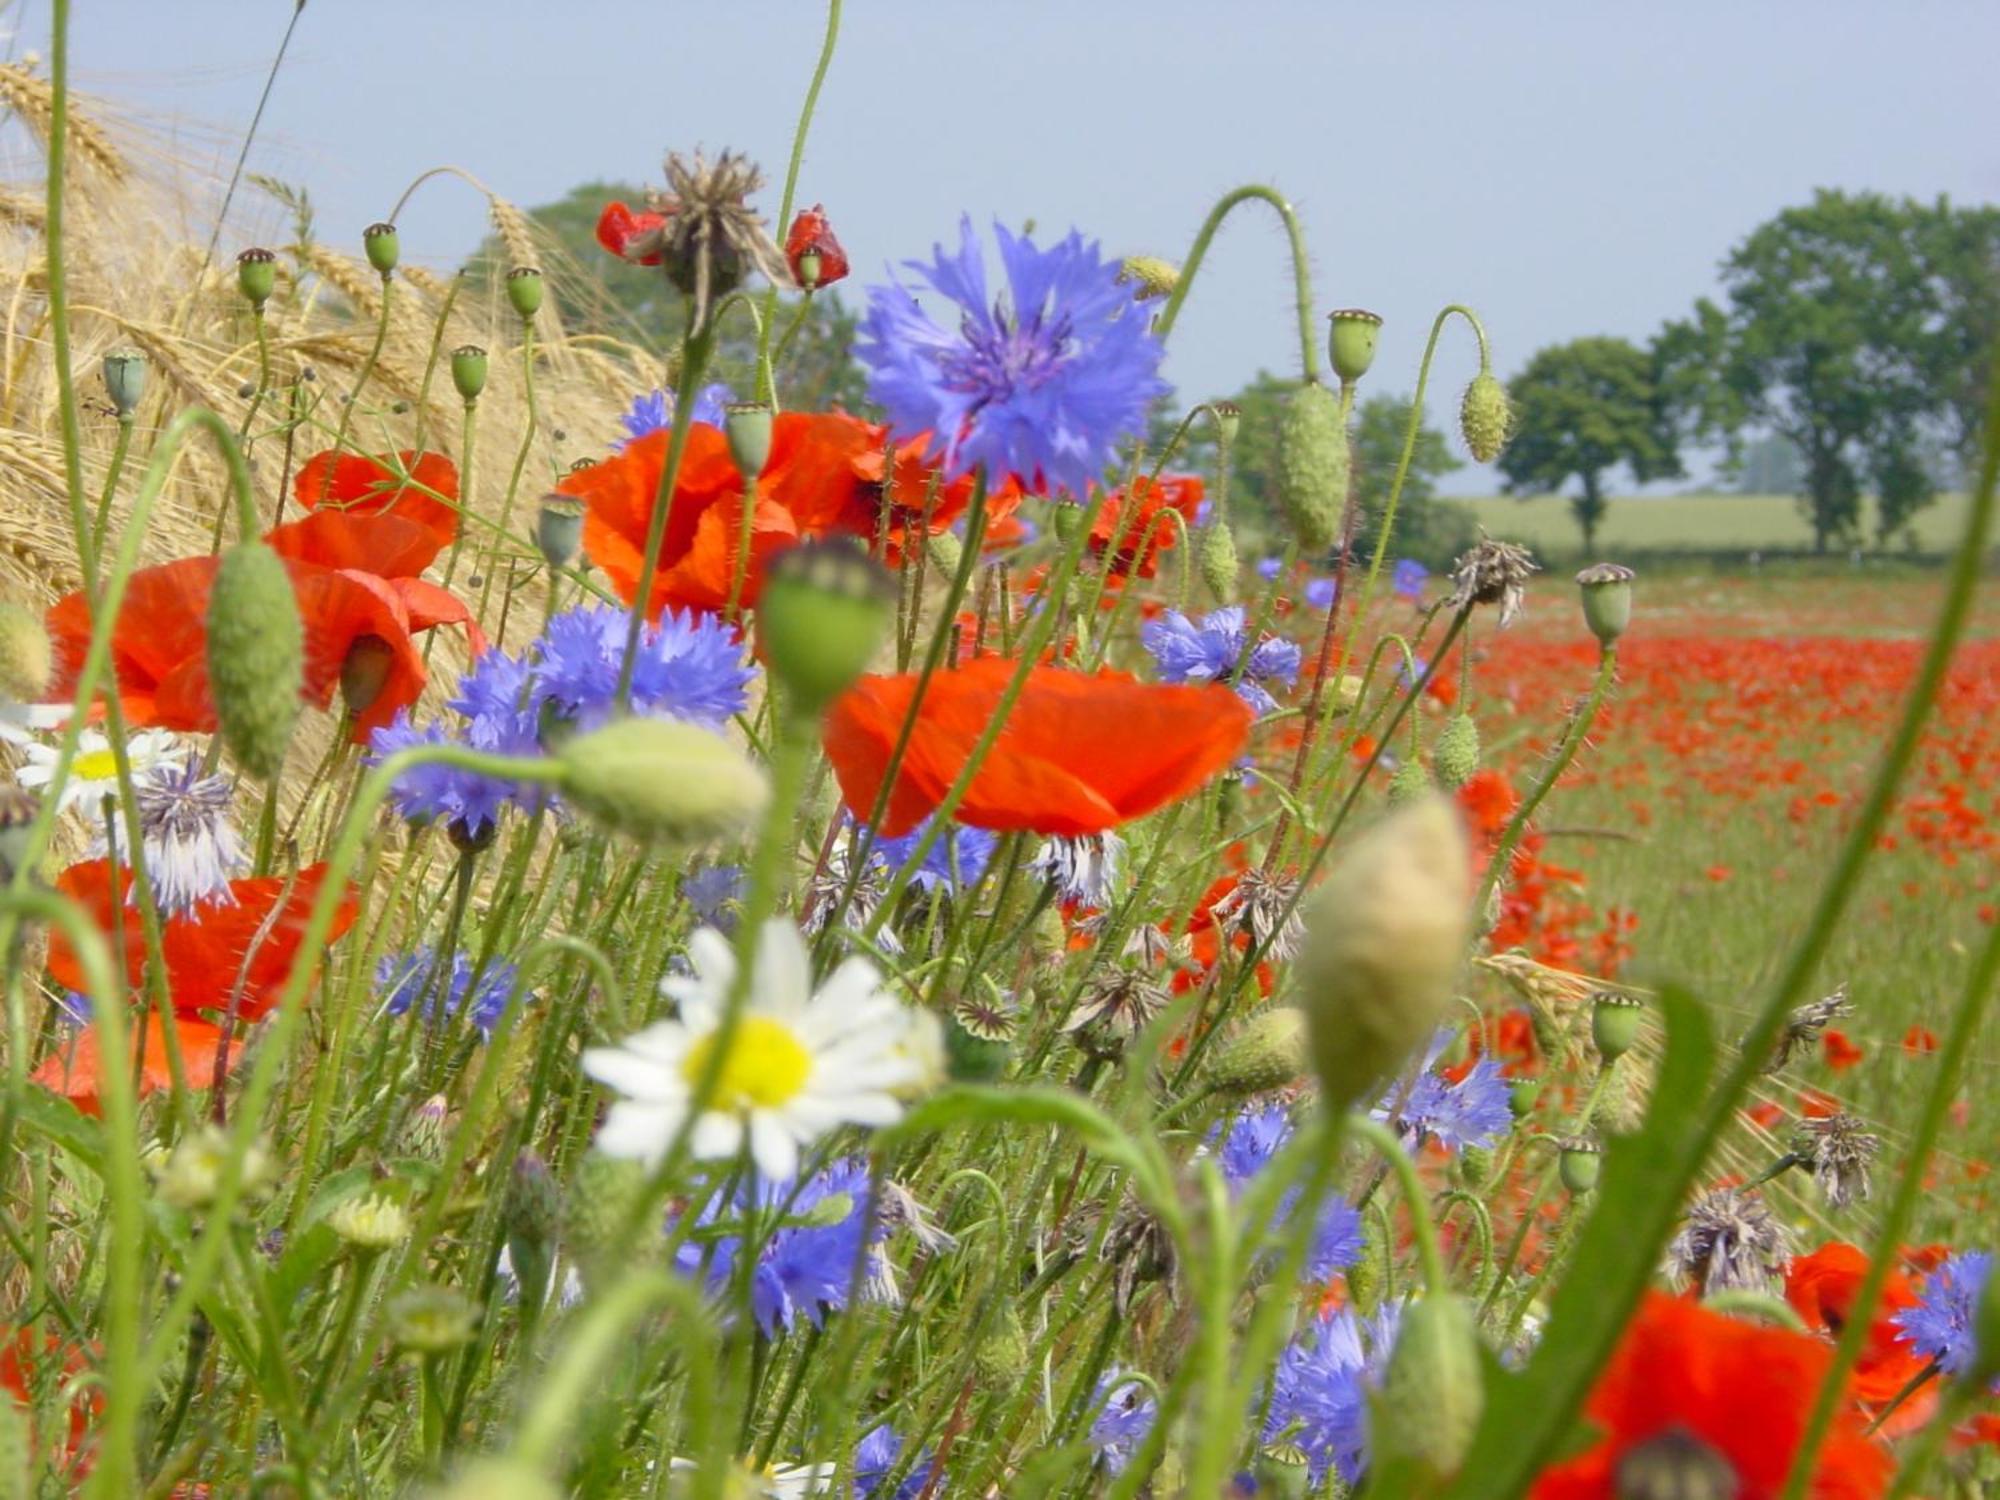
{"x": 689, "y": 667}
{"x": 1255, "y": 1136}
{"x": 1473, "y": 1112}
{"x": 875, "y": 1456}
{"x": 653, "y": 411}
{"x": 408, "y": 979}
{"x": 1319, "y": 1392}
{"x": 955, "y": 861}
{"x": 1126, "y": 1412}
{"x": 1209, "y": 650}
{"x": 1941, "y": 1325}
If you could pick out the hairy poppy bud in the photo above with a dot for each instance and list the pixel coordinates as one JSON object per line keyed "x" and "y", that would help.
{"x": 17, "y": 816}
{"x": 432, "y": 1319}
{"x": 1001, "y": 1358}
{"x": 747, "y": 426}
{"x": 1150, "y": 276}
{"x": 1485, "y": 417}
{"x": 600, "y": 1199}
{"x": 559, "y": 528}
{"x": 1269, "y": 1052}
{"x": 823, "y": 613}
{"x": 26, "y": 658}
{"x": 256, "y": 656}
{"x": 468, "y": 371}
{"x": 531, "y": 1215}
{"x": 661, "y": 781}
{"x": 1579, "y": 1161}
{"x": 1614, "y": 1023}
{"x": 1351, "y": 343}
{"x": 1455, "y": 756}
{"x": 524, "y": 291}
{"x": 1312, "y": 466}
{"x": 125, "y": 380}
{"x": 383, "y": 246}
{"x": 256, "y": 275}
{"x": 1385, "y": 934}
{"x": 1219, "y": 566}
{"x": 947, "y": 552}
{"x": 1433, "y": 1392}
{"x": 1410, "y": 782}
{"x": 370, "y": 1222}
{"x": 1607, "y": 600}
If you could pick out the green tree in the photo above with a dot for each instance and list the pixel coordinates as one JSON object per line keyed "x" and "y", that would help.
{"x": 1958, "y": 250}
{"x": 1580, "y": 410}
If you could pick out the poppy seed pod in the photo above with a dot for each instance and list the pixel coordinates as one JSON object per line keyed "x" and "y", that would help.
{"x": 661, "y": 781}
{"x": 1313, "y": 466}
{"x": 256, "y": 275}
{"x": 1228, "y": 417}
{"x": 125, "y": 380}
{"x": 1614, "y": 1023}
{"x": 1219, "y": 565}
{"x": 364, "y": 672}
{"x": 1385, "y": 936}
{"x": 1269, "y": 1052}
{"x": 1410, "y": 782}
{"x": 1675, "y": 1465}
{"x": 558, "y": 528}
{"x": 747, "y": 426}
{"x": 824, "y": 610}
{"x": 1455, "y": 756}
{"x": 1522, "y": 1096}
{"x": 1485, "y": 417}
{"x": 1350, "y": 344}
{"x": 26, "y": 658}
{"x": 468, "y": 371}
{"x": 1433, "y": 1392}
{"x": 1579, "y": 1161}
{"x": 1607, "y": 600}
{"x": 524, "y": 291}
{"x": 256, "y": 656}
{"x": 382, "y": 246}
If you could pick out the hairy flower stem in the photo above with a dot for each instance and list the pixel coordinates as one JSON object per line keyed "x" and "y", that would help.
{"x": 1579, "y": 1126}
{"x": 263, "y": 376}
{"x": 491, "y": 562}
{"x": 694, "y": 361}
{"x": 57, "y": 291}
{"x": 111, "y": 477}
{"x": 468, "y": 431}
{"x": 361, "y": 376}
{"x": 766, "y": 386}
{"x": 1301, "y": 269}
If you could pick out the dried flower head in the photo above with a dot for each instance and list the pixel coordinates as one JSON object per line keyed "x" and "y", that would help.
{"x": 1729, "y": 1242}
{"x": 1116, "y": 1006}
{"x": 987, "y": 1014}
{"x": 1140, "y": 1248}
{"x": 1804, "y": 1025}
{"x": 1267, "y": 908}
{"x": 1493, "y": 573}
{"x": 902, "y": 1209}
{"x": 708, "y": 238}
{"x": 1838, "y": 1149}
{"x": 191, "y": 848}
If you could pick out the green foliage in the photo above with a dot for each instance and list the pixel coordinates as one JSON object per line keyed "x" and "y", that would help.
{"x": 1581, "y": 409}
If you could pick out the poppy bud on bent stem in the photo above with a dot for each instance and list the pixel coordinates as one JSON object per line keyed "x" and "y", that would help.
{"x": 1313, "y": 466}
{"x": 825, "y": 608}
{"x": 661, "y": 781}
{"x": 1433, "y": 1392}
{"x": 256, "y": 656}
{"x": 1485, "y": 417}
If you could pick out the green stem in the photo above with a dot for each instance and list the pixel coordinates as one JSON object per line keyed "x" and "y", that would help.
{"x": 1301, "y": 270}
{"x": 111, "y": 478}
{"x": 491, "y": 565}
{"x": 766, "y": 386}
{"x": 361, "y": 377}
{"x": 1424, "y": 1229}
{"x": 58, "y": 291}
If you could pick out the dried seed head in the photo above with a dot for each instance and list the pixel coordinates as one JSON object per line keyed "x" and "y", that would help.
{"x": 1116, "y": 1006}
{"x": 1804, "y": 1025}
{"x": 1493, "y": 573}
{"x": 1838, "y": 1149}
{"x": 1729, "y": 1242}
{"x": 709, "y": 238}
{"x": 1266, "y": 908}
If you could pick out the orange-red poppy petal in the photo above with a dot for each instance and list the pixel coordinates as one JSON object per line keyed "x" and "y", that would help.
{"x": 372, "y": 486}
{"x": 76, "y": 1069}
{"x": 390, "y": 546}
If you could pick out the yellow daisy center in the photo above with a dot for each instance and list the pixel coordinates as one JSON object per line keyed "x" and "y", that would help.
{"x": 94, "y": 765}
{"x": 766, "y": 1065}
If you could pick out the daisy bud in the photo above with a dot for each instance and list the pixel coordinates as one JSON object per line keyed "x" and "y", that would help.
{"x": 125, "y": 380}
{"x": 256, "y": 275}
{"x": 432, "y": 1320}
{"x": 559, "y": 529}
{"x": 1386, "y": 933}
{"x": 424, "y": 1131}
{"x": 1455, "y": 756}
{"x": 256, "y": 656}
{"x": 1001, "y": 1358}
{"x": 530, "y": 1216}
{"x": 364, "y": 672}
{"x": 1351, "y": 344}
{"x": 661, "y": 781}
{"x": 1675, "y": 1465}
{"x": 1485, "y": 417}
{"x": 825, "y": 608}
{"x": 382, "y": 246}
{"x": 1312, "y": 466}
{"x": 1410, "y": 782}
{"x": 1149, "y": 276}
{"x": 17, "y": 816}
{"x": 189, "y": 1177}
{"x": 1607, "y": 600}
{"x": 370, "y": 1222}
{"x": 1433, "y": 1392}
{"x": 1269, "y": 1052}
{"x": 1522, "y": 1096}
{"x": 1614, "y": 1023}
{"x": 1579, "y": 1161}
{"x": 1219, "y": 566}
{"x": 468, "y": 371}
{"x": 747, "y": 426}
{"x": 26, "y": 658}
{"x": 524, "y": 291}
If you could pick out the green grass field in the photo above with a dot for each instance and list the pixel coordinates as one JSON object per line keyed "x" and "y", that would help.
{"x": 1695, "y": 523}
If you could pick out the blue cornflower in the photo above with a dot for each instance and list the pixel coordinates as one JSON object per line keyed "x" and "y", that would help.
{"x": 689, "y": 667}
{"x": 1126, "y": 1412}
{"x": 1471, "y": 1112}
{"x": 803, "y": 1271}
{"x": 1409, "y": 578}
{"x": 1268, "y": 568}
{"x": 875, "y": 1455}
{"x": 1208, "y": 651}
{"x": 487, "y": 701}
{"x": 1940, "y": 1326}
{"x": 1320, "y": 593}
{"x": 1042, "y": 381}
{"x": 1245, "y": 1146}
{"x": 410, "y": 979}
{"x": 708, "y": 891}
{"x": 956, "y": 861}
{"x": 1319, "y": 1392}
{"x": 653, "y": 411}
{"x": 73, "y": 1008}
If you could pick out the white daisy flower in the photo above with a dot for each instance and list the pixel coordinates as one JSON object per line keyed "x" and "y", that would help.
{"x": 799, "y": 1065}
{"x": 772, "y": 1482}
{"x": 18, "y": 720}
{"x": 93, "y": 772}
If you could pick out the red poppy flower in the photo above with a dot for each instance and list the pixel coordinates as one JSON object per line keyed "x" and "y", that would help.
{"x": 76, "y": 1070}
{"x": 1919, "y": 1040}
{"x": 618, "y": 227}
{"x": 1137, "y": 524}
{"x": 698, "y": 556}
{"x": 1821, "y": 1288}
{"x": 389, "y": 546}
{"x": 421, "y": 487}
{"x": 1488, "y": 800}
{"x": 810, "y": 234}
{"x": 1684, "y": 1374}
{"x": 1841, "y": 1051}
{"x": 1080, "y": 752}
{"x": 206, "y": 950}
{"x": 24, "y": 1375}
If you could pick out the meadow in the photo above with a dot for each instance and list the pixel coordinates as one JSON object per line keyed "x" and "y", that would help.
{"x": 1695, "y": 524}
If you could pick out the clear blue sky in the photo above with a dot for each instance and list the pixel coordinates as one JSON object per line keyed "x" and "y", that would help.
{"x": 1568, "y": 168}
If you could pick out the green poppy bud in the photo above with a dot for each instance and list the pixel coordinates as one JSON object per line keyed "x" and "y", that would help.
{"x": 26, "y": 658}
{"x": 747, "y": 426}
{"x": 1219, "y": 566}
{"x": 18, "y": 808}
{"x": 1579, "y": 1161}
{"x": 1351, "y": 344}
{"x": 1455, "y": 756}
{"x": 558, "y": 528}
{"x": 1614, "y": 1023}
{"x": 1313, "y": 466}
{"x": 1410, "y": 782}
{"x": 256, "y": 275}
{"x": 825, "y": 607}
{"x": 468, "y": 371}
{"x": 256, "y": 656}
{"x": 1485, "y": 417}
{"x": 531, "y": 1216}
{"x": 661, "y": 781}
{"x": 382, "y": 246}
{"x": 1607, "y": 600}
{"x": 524, "y": 291}
{"x": 1385, "y": 935}
{"x": 1002, "y": 1356}
{"x": 600, "y": 1199}
{"x": 947, "y": 552}
{"x": 125, "y": 380}
{"x": 432, "y": 1320}
{"x": 1267, "y": 1052}
{"x": 1433, "y": 1391}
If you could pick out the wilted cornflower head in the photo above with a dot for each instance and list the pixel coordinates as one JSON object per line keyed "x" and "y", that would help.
{"x": 1083, "y": 869}
{"x": 412, "y": 979}
{"x": 1042, "y": 381}
{"x": 1804, "y": 1025}
{"x": 1244, "y": 1147}
{"x": 1126, "y": 1412}
{"x": 190, "y": 847}
{"x": 1838, "y": 1149}
{"x": 707, "y": 236}
{"x": 1116, "y": 1005}
{"x": 1729, "y": 1242}
{"x": 1209, "y": 650}
{"x": 1319, "y": 1391}
{"x": 653, "y": 411}
{"x": 1942, "y": 1325}
{"x": 688, "y": 667}
{"x": 1267, "y": 908}
{"x": 1493, "y": 573}
{"x": 875, "y": 1455}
